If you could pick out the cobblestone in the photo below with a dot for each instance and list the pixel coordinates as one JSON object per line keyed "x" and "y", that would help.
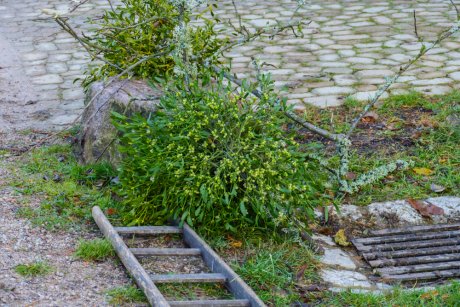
{"x": 48, "y": 61}
{"x": 353, "y": 43}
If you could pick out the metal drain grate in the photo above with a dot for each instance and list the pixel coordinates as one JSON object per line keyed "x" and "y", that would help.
{"x": 412, "y": 254}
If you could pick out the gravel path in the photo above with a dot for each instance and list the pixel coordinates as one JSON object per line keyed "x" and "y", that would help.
{"x": 71, "y": 283}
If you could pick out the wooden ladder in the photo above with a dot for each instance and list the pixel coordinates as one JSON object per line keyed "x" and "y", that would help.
{"x": 221, "y": 272}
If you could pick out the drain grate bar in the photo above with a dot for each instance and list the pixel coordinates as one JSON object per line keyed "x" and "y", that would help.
{"x": 422, "y": 276}
{"x": 412, "y": 229}
{"x": 413, "y": 260}
{"x": 411, "y": 254}
{"x": 407, "y": 245}
{"x": 420, "y": 268}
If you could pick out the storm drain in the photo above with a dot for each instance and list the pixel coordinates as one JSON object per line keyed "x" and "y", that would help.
{"x": 413, "y": 254}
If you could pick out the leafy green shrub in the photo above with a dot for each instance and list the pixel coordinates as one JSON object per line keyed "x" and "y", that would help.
{"x": 214, "y": 157}
{"x": 141, "y": 28}
{"x": 94, "y": 250}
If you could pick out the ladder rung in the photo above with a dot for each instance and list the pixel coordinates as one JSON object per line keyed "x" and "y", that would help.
{"x": 208, "y": 303}
{"x": 165, "y": 251}
{"x": 184, "y": 278}
{"x": 147, "y": 230}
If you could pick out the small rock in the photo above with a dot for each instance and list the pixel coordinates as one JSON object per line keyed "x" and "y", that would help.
{"x": 437, "y": 188}
{"x": 345, "y": 279}
{"x": 337, "y": 257}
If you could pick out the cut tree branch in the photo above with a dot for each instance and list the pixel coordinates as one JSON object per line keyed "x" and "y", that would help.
{"x": 390, "y": 81}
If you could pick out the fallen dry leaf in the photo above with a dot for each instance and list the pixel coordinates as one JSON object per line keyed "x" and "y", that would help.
{"x": 236, "y": 244}
{"x": 443, "y": 160}
{"x": 301, "y": 272}
{"x": 370, "y": 117}
{"x": 111, "y": 211}
{"x": 429, "y": 295}
{"x": 341, "y": 238}
{"x": 423, "y": 171}
{"x": 416, "y": 135}
{"x": 424, "y": 208}
{"x": 350, "y": 176}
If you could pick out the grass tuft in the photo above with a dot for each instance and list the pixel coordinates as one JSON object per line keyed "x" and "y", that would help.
{"x": 33, "y": 269}
{"x": 126, "y": 295}
{"x": 448, "y": 295}
{"x": 94, "y": 250}
{"x": 274, "y": 270}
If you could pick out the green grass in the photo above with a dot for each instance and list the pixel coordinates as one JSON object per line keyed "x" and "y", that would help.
{"x": 121, "y": 296}
{"x": 274, "y": 268}
{"x": 37, "y": 268}
{"x": 94, "y": 250}
{"x": 67, "y": 189}
{"x": 437, "y": 147}
{"x": 442, "y": 296}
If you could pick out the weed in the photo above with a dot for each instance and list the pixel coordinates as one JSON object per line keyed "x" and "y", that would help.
{"x": 273, "y": 270}
{"x": 125, "y": 295}
{"x": 409, "y": 127}
{"x": 33, "y": 269}
{"x": 94, "y": 250}
{"x": 68, "y": 189}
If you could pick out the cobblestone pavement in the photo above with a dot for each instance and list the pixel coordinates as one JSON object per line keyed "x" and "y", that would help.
{"x": 350, "y": 46}
{"x": 347, "y": 49}
{"x": 49, "y": 62}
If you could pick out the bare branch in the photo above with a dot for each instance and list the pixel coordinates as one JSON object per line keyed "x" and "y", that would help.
{"x": 291, "y": 115}
{"x": 415, "y": 28}
{"x": 77, "y": 5}
{"x": 390, "y": 81}
{"x": 456, "y": 9}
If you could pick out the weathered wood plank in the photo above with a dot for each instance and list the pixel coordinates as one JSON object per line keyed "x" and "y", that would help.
{"x": 420, "y": 268}
{"x": 409, "y": 237}
{"x": 413, "y": 260}
{"x": 165, "y": 251}
{"x": 188, "y": 278}
{"x": 412, "y": 229}
{"x": 413, "y": 252}
{"x": 236, "y": 285}
{"x": 147, "y": 230}
{"x": 211, "y": 303}
{"x": 422, "y": 276}
{"x": 130, "y": 262}
{"x": 408, "y": 245}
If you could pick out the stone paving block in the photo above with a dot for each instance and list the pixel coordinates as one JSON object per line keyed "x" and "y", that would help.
{"x": 48, "y": 79}
{"x": 337, "y": 258}
{"x": 345, "y": 279}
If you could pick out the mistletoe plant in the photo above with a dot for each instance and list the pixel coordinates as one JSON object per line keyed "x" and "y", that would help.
{"x": 215, "y": 157}
{"x": 139, "y": 29}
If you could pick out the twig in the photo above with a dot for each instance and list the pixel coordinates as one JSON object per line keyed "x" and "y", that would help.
{"x": 390, "y": 81}
{"x": 415, "y": 28}
{"x": 456, "y": 9}
{"x": 66, "y": 27}
{"x": 111, "y": 5}
{"x": 237, "y": 14}
{"x": 291, "y": 115}
{"x": 77, "y": 5}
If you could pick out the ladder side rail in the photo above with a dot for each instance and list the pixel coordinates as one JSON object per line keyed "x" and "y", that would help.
{"x": 130, "y": 262}
{"x": 235, "y": 284}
